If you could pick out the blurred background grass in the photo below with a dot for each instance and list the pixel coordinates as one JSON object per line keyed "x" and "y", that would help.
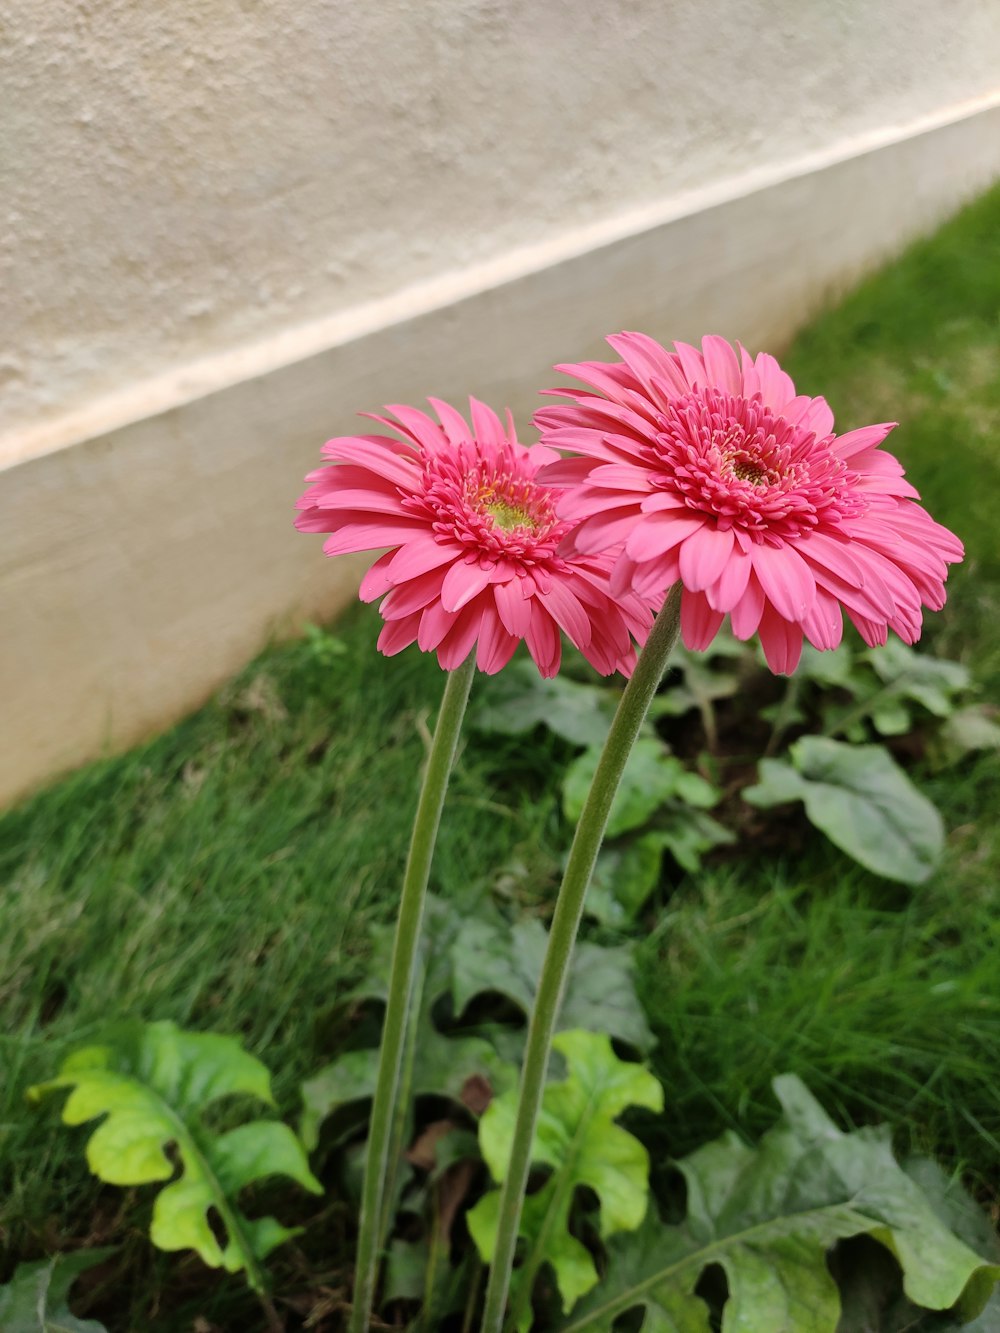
{"x": 227, "y": 874}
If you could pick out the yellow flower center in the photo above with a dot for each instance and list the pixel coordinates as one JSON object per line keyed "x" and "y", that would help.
{"x": 751, "y": 472}
{"x": 508, "y": 516}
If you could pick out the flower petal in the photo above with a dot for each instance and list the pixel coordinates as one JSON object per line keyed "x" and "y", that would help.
{"x": 781, "y": 641}
{"x": 693, "y": 365}
{"x": 704, "y": 555}
{"x": 368, "y": 535}
{"x": 722, "y": 364}
{"x": 455, "y": 426}
{"x": 463, "y": 581}
{"x": 496, "y": 646}
{"x": 543, "y": 640}
{"x": 776, "y": 388}
{"x": 731, "y": 583}
{"x": 457, "y": 644}
{"x": 655, "y": 534}
{"x": 397, "y": 635}
{"x": 376, "y": 582}
{"x": 824, "y": 625}
{"x": 424, "y": 552}
{"x": 699, "y": 623}
{"x": 566, "y": 610}
{"x": 486, "y": 424}
{"x": 786, "y": 579}
{"x": 854, "y": 441}
{"x": 513, "y": 607}
{"x": 745, "y": 615}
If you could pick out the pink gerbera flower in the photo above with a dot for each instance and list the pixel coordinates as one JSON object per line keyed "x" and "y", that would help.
{"x": 712, "y": 471}
{"x": 473, "y": 537}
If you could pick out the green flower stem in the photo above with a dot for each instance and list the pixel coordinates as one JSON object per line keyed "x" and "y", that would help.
{"x": 621, "y": 737}
{"x": 404, "y": 956}
{"x": 401, "y": 1112}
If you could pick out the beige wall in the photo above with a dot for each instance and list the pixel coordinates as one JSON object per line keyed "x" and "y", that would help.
{"x": 184, "y": 176}
{"x": 228, "y": 226}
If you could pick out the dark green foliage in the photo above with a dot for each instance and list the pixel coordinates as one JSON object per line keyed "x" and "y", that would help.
{"x": 36, "y": 1299}
{"x": 768, "y": 1216}
{"x": 862, "y": 801}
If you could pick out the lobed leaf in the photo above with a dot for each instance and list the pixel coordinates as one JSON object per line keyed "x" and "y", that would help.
{"x": 600, "y": 993}
{"x": 36, "y": 1299}
{"x": 578, "y": 1138}
{"x": 443, "y": 1066}
{"x": 768, "y": 1216}
{"x": 465, "y": 958}
{"x": 443, "y": 1062}
{"x": 153, "y": 1087}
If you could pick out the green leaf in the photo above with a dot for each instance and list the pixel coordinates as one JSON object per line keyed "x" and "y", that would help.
{"x": 954, "y": 1206}
{"x": 870, "y": 1280}
{"x": 892, "y": 718}
{"x": 652, "y": 776}
{"x": 627, "y": 873}
{"x": 768, "y": 1216}
{"x": 442, "y": 1067}
{"x": 466, "y": 956}
{"x": 443, "y": 1062}
{"x": 153, "y": 1086}
{"x": 931, "y": 681}
{"x": 834, "y": 668}
{"x": 624, "y": 877}
{"x": 517, "y": 700}
{"x": 490, "y": 955}
{"x": 699, "y": 687}
{"x": 688, "y": 834}
{"x": 405, "y": 1266}
{"x": 861, "y": 800}
{"x": 578, "y": 1138}
{"x": 36, "y": 1299}
{"x": 349, "y": 1079}
{"x": 967, "y": 730}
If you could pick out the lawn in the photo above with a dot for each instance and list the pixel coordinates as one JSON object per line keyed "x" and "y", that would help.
{"x": 228, "y": 874}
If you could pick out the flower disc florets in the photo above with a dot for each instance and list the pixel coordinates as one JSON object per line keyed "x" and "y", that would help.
{"x": 473, "y": 537}
{"x": 712, "y": 472}
{"x": 735, "y": 458}
{"x": 489, "y": 499}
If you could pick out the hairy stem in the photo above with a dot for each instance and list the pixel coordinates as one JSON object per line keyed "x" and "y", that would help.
{"x": 404, "y": 955}
{"x": 401, "y": 1112}
{"x": 621, "y": 737}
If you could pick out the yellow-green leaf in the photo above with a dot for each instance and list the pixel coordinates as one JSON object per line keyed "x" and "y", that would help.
{"x": 153, "y": 1085}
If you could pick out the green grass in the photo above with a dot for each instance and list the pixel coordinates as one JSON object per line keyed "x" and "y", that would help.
{"x": 226, "y": 875}
{"x": 919, "y": 343}
{"x": 884, "y": 1000}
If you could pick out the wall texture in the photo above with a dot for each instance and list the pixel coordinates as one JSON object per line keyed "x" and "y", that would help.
{"x": 183, "y": 176}
{"x": 230, "y": 224}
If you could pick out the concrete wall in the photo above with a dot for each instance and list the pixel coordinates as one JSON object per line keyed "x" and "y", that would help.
{"x": 185, "y": 175}
{"x": 230, "y": 225}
